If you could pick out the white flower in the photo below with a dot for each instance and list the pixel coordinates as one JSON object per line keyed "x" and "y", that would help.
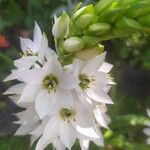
{"x": 93, "y": 80}
{"x": 147, "y": 130}
{"x": 48, "y": 86}
{"x": 28, "y": 119}
{"x": 35, "y": 54}
{"x": 68, "y": 123}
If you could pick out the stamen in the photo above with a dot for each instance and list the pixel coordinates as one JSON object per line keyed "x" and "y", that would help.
{"x": 50, "y": 83}
{"x": 67, "y": 114}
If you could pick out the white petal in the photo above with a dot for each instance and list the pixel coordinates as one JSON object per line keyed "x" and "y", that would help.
{"x": 25, "y": 129}
{"x": 53, "y": 66}
{"x": 44, "y": 103}
{"x": 37, "y": 34}
{"x": 58, "y": 144}
{"x": 89, "y": 132}
{"x": 26, "y": 44}
{"x": 25, "y": 62}
{"x": 50, "y": 133}
{"x": 105, "y": 67}
{"x": 148, "y": 112}
{"x": 100, "y": 118}
{"x": 77, "y": 66}
{"x": 64, "y": 98}
{"x": 147, "y": 131}
{"x": 50, "y": 53}
{"x": 67, "y": 81}
{"x": 107, "y": 88}
{"x": 148, "y": 141}
{"x": 84, "y": 144}
{"x": 99, "y": 142}
{"x": 94, "y": 64}
{"x": 43, "y": 48}
{"x": 16, "y": 89}
{"x": 67, "y": 134}
{"x": 99, "y": 95}
{"x": 29, "y": 92}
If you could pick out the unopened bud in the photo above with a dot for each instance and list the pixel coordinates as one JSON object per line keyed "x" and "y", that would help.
{"x": 85, "y": 20}
{"x": 128, "y": 23}
{"x": 60, "y": 26}
{"x": 140, "y": 9}
{"x": 73, "y": 44}
{"x": 112, "y": 14}
{"x": 89, "y": 53}
{"x": 99, "y": 28}
{"x": 103, "y": 5}
{"x": 84, "y": 16}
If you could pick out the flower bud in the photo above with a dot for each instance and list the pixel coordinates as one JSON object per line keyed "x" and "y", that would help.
{"x": 85, "y": 20}
{"x": 61, "y": 26}
{"x": 140, "y": 9}
{"x": 84, "y": 16}
{"x": 89, "y": 53}
{"x": 111, "y": 14}
{"x": 128, "y": 23}
{"x": 90, "y": 40}
{"x": 103, "y": 5}
{"x": 73, "y": 44}
{"x": 99, "y": 28}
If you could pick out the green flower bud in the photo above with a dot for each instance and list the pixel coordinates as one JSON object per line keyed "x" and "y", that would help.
{"x": 90, "y": 40}
{"x": 73, "y": 44}
{"x": 103, "y": 5}
{"x": 84, "y": 17}
{"x": 139, "y": 9}
{"x": 85, "y": 20}
{"x": 61, "y": 26}
{"x": 98, "y": 28}
{"x": 89, "y": 53}
{"x": 111, "y": 15}
{"x": 128, "y": 24}
{"x": 84, "y": 10}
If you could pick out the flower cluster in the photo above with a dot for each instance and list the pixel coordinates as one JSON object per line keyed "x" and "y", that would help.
{"x": 147, "y": 130}
{"x": 63, "y": 101}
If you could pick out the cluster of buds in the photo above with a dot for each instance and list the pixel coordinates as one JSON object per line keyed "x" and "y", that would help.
{"x": 91, "y": 24}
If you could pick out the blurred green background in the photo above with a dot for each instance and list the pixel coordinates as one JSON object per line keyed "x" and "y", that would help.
{"x": 131, "y": 72}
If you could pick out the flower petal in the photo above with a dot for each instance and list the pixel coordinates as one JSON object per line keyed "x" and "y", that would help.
{"x": 25, "y": 62}
{"x": 49, "y": 134}
{"x": 37, "y": 34}
{"x": 25, "y": 129}
{"x": 147, "y": 131}
{"x": 26, "y": 44}
{"x": 67, "y": 81}
{"x": 84, "y": 144}
{"x": 16, "y": 89}
{"x": 93, "y": 65}
{"x": 44, "y": 103}
{"x": 67, "y": 134}
{"x": 58, "y": 144}
{"x": 105, "y": 67}
{"x": 29, "y": 92}
{"x": 99, "y": 95}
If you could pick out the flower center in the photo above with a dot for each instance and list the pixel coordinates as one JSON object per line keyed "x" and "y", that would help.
{"x": 84, "y": 81}
{"x": 67, "y": 114}
{"x": 50, "y": 83}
